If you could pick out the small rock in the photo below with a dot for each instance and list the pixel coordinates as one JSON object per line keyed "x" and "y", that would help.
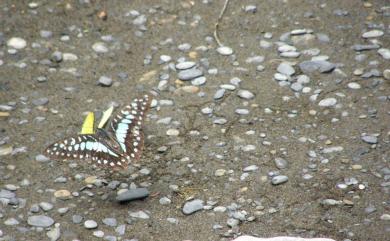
{"x": 245, "y": 94}
{"x": 219, "y": 172}
{"x": 77, "y": 219}
{"x": 54, "y": 234}
{"x": 192, "y": 206}
{"x": 199, "y": 81}
{"x": 373, "y": 34}
{"x": 11, "y": 222}
{"x": 139, "y": 214}
{"x": 133, "y": 194}
{"x": 386, "y": 74}
{"x": 219, "y": 94}
{"x": 286, "y": 69}
{"x": 98, "y": 234}
{"x": 354, "y": 85}
{"x": 100, "y": 47}
{"x": 62, "y": 194}
{"x": 185, "y": 65}
{"x": 165, "y": 201}
{"x": 110, "y": 222}
{"x": 281, "y": 163}
{"x": 328, "y": 102}
{"x": 90, "y": 224}
{"x": 46, "y": 206}
{"x": 370, "y": 139}
{"x": 385, "y": 217}
{"x": 319, "y": 65}
{"x": 231, "y": 222}
{"x": 40, "y": 221}
{"x": 385, "y": 53}
{"x": 189, "y": 74}
{"x": 16, "y": 43}
{"x": 173, "y": 132}
{"x": 279, "y": 179}
{"x": 105, "y": 81}
{"x": 251, "y": 168}
{"x": 224, "y": 50}
{"x": 296, "y": 86}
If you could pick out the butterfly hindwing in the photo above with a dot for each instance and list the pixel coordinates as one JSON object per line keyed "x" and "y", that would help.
{"x": 127, "y": 126}
{"x": 89, "y": 147}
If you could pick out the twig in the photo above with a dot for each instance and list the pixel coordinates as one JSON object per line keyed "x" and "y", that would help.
{"x": 217, "y": 23}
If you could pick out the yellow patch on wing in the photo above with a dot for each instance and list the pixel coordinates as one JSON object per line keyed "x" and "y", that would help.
{"x": 105, "y": 117}
{"x": 87, "y": 127}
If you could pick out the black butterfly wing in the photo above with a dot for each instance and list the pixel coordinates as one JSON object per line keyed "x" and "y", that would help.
{"x": 87, "y": 147}
{"x": 127, "y": 126}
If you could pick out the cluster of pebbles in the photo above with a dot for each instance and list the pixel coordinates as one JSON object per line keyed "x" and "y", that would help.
{"x": 292, "y": 129}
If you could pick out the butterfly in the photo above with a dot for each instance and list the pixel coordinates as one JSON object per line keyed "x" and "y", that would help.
{"x": 116, "y": 147}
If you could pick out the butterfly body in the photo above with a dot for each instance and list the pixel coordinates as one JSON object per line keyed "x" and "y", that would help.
{"x": 117, "y": 147}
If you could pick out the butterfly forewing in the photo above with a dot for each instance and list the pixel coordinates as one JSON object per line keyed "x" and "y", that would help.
{"x": 89, "y": 147}
{"x": 127, "y": 126}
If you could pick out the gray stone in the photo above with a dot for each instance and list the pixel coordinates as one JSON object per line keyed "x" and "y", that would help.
{"x": 245, "y": 94}
{"x": 192, "y": 206}
{"x": 231, "y": 222}
{"x": 303, "y": 79}
{"x": 251, "y": 168}
{"x": 330, "y": 202}
{"x": 255, "y": 59}
{"x": 7, "y": 194}
{"x": 250, "y": 9}
{"x": 281, "y": 163}
{"x": 105, "y": 81}
{"x": 297, "y": 87}
{"x": 121, "y": 229}
{"x": 219, "y": 94}
{"x": 133, "y": 194}
{"x": 385, "y": 53}
{"x": 373, "y": 34}
{"x": 279, "y": 179}
{"x": 54, "y": 234}
{"x": 77, "y": 219}
{"x": 189, "y": 74}
{"x": 328, "y": 102}
{"x": 363, "y": 47}
{"x": 16, "y": 43}
{"x": 90, "y": 224}
{"x": 41, "y": 158}
{"x": 165, "y": 201}
{"x": 242, "y": 111}
{"x": 56, "y": 56}
{"x": 291, "y": 54}
{"x": 139, "y": 214}
{"x": 100, "y": 47}
{"x": 11, "y": 222}
{"x": 40, "y": 221}
{"x": 280, "y": 77}
{"x": 386, "y": 74}
{"x": 320, "y": 65}
{"x": 110, "y": 222}
{"x": 224, "y": 50}
{"x": 370, "y": 139}
{"x": 286, "y": 69}
{"x": 46, "y": 206}
{"x": 185, "y": 65}
{"x": 199, "y": 81}
{"x": 220, "y": 121}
